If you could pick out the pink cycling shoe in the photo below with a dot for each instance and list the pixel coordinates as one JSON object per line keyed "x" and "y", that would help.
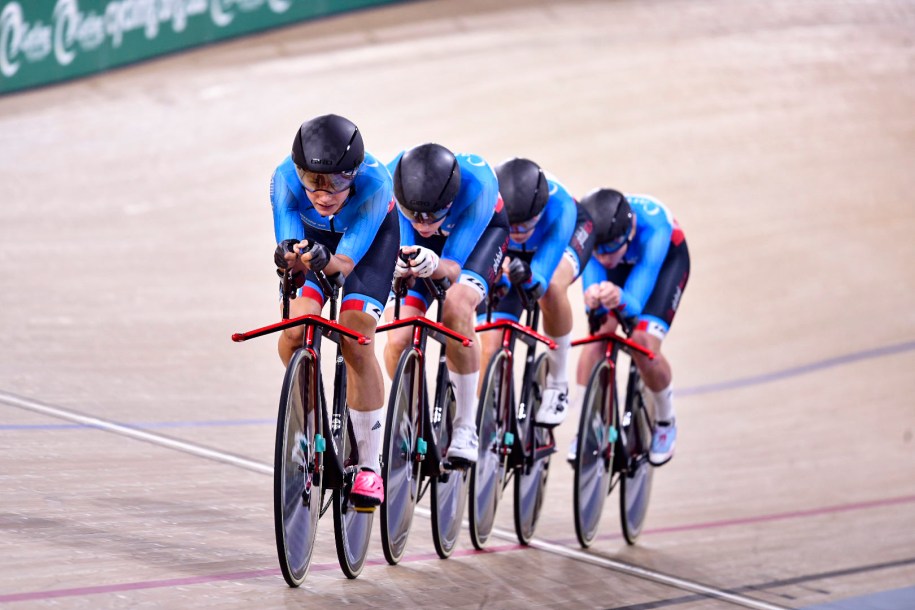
{"x": 368, "y": 490}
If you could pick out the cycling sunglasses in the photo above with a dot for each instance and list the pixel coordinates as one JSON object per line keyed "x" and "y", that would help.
{"x": 615, "y": 244}
{"x": 424, "y": 218}
{"x": 527, "y": 226}
{"x": 329, "y": 183}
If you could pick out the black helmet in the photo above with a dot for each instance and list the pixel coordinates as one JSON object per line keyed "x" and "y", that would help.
{"x": 612, "y": 218}
{"x": 523, "y": 188}
{"x": 328, "y": 144}
{"x": 426, "y": 181}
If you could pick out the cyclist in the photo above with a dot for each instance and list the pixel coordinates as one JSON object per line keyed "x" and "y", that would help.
{"x": 639, "y": 268}
{"x": 550, "y": 244}
{"x": 452, "y": 221}
{"x": 332, "y": 203}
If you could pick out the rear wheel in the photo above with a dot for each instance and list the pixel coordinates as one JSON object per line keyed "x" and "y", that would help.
{"x": 352, "y": 528}
{"x": 298, "y": 460}
{"x": 635, "y": 484}
{"x": 597, "y": 435}
{"x": 449, "y": 490}
{"x": 530, "y": 480}
{"x": 487, "y": 477}
{"x": 401, "y": 469}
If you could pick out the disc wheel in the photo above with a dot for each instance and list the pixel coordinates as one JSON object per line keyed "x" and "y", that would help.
{"x": 400, "y": 469}
{"x": 352, "y": 528}
{"x": 635, "y": 485}
{"x": 297, "y": 468}
{"x": 449, "y": 490}
{"x": 487, "y": 477}
{"x": 530, "y": 480}
{"x": 597, "y": 435}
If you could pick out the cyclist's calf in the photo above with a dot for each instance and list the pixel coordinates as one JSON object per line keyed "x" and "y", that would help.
{"x": 656, "y": 372}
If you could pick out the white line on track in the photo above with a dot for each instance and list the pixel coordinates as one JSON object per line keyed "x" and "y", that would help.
{"x": 240, "y": 462}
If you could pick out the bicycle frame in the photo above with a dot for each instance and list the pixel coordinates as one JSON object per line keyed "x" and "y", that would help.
{"x": 424, "y": 329}
{"x": 615, "y": 343}
{"x": 511, "y": 332}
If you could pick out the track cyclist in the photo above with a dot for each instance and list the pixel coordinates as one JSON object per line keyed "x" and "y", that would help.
{"x": 333, "y": 201}
{"x": 550, "y": 244}
{"x": 453, "y": 225}
{"x": 639, "y": 268}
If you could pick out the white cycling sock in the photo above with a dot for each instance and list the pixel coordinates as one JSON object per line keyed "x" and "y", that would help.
{"x": 664, "y": 404}
{"x": 368, "y": 429}
{"x": 558, "y": 376}
{"x": 465, "y": 394}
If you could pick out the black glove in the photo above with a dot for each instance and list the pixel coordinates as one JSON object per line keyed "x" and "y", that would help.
{"x": 519, "y": 271}
{"x": 279, "y": 256}
{"x": 535, "y": 292}
{"x": 320, "y": 255}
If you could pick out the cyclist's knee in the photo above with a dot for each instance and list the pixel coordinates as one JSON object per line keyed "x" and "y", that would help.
{"x": 646, "y": 340}
{"x": 460, "y": 305}
{"x": 295, "y": 334}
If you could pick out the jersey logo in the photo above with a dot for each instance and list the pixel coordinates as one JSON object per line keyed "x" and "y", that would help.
{"x": 475, "y": 160}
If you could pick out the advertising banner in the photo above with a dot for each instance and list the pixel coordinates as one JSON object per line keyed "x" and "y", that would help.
{"x": 44, "y": 41}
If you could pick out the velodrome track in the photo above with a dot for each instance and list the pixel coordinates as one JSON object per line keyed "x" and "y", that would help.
{"x": 135, "y": 437}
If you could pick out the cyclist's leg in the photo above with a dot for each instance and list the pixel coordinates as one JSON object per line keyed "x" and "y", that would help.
{"x": 653, "y": 326}
{"x": 557, "y": 325}
{"x": 478, "y": 274}
{"x": 365, "y": 291}
{"x": 557, "y": 311}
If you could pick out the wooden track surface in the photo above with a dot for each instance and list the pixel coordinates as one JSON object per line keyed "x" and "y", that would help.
{"x": 135, "y": 236}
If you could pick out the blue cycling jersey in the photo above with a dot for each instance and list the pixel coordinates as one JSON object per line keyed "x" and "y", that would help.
{"x": 469, "y": 214}
{"x": 655, "y": 230}
{"x": 358, "y": 220}
{"x": 551, "y": 234}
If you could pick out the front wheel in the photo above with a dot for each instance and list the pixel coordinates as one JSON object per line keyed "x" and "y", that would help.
{"x": 487, "y": 477}
{"x": 402, "y": 446}
{"x": 635, "y": 483}
{"x": 449, "y": 489}
{"x": 298, "y": 460}
{"x": 597, "y": 435}
{"x": 530, "y": 479}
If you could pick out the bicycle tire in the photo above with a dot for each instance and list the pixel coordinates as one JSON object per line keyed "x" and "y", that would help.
{"x": 297, "y": 469}
{"x": 530, "y": 483}
{"x": 594, "y": 456}
{"x": 635, "y": 484}
{"x": 449, "y": 491}
{"x": 400, "y": 470}
{"x": 352, "y": 528}
{"x": 487, "y": 476}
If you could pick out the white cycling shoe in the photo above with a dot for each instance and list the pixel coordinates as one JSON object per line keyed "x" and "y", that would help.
{"x": 465, "y": 446}
{"x": 553, "y": 408}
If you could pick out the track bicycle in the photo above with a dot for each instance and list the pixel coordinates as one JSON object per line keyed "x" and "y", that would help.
{"x": 612, "y": 445}
{"x": 307, "y": 467}
{"x": 418, "y": 434}
{"x": 511, "y": 445}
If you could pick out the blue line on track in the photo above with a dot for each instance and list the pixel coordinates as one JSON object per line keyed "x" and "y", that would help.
{"x": 796, "y": 371}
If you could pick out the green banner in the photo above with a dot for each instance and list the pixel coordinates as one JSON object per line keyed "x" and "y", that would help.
{"x": 45, "y": 41}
